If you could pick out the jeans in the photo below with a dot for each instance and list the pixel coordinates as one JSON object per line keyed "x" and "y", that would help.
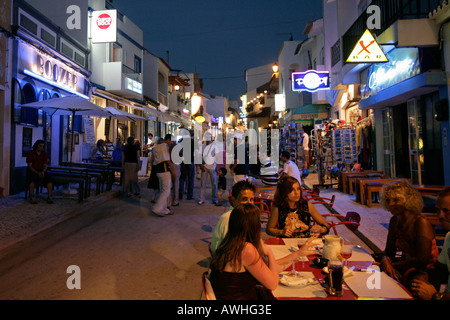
{"x": 163, "y": 201}
{"x": 176, "y": 183}
{"x": 213, "y": 178}
{"x": 188, "y": 175}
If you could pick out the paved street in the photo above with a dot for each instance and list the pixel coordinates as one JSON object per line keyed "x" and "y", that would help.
{"x": 123, "y": 250}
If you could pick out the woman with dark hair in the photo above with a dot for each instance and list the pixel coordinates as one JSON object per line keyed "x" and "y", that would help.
{"x": 242, "y": 262}
{"x": 409, "y": 232}
{"x": 291, "y": 214}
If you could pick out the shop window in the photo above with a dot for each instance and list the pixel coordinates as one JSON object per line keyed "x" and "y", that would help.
{"x": 48, "y": 37}
{"x": 79, "y": 59}
{"x": 28, "y": 24}
{"x": 29, "y": 116}
{"x": 17, "y": 98}
{"x": 78, "y": 124}
{"x": 67, "y": 50}
{"x": 137, "y": 64}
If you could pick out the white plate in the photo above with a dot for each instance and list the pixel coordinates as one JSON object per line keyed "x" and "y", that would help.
{"x": 347, "y": 272}
{"x": 297, "y": 282}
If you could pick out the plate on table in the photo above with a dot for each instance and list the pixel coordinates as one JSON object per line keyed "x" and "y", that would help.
{"x": 296, "y": 282}
{"x": 347, "y": 272}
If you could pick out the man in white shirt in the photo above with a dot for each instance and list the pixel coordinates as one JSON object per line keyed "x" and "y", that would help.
{"x": 242, "y": 192}
{"x": 305, "y": 144}
{"x": 290, "y": 168}
{"x": 208, "y": 168}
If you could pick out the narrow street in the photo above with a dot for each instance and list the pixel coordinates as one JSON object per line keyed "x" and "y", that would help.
{"x": 123, "y": 251}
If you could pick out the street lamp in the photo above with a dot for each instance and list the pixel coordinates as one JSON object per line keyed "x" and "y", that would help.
{"x": 275, "y": 68}
{"x": 196, "y": 102}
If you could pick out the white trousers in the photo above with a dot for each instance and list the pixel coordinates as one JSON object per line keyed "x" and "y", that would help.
{"x": 163, "y": 201}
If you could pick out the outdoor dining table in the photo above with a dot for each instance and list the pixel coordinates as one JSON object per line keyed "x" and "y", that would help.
{"x": 354, "y": 286}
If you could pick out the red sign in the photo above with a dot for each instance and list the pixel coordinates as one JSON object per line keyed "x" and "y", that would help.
{"x": 104, "y": 21}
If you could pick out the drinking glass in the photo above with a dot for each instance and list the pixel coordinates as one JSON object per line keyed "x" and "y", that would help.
{"x": 335, "y": 275}
{"x": 314, "y": 233}
{"x": 293, "y": 272}
{"x": 346, "y": 253}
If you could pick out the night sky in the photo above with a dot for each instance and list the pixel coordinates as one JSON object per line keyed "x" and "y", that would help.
{"x": 220, "y": 39}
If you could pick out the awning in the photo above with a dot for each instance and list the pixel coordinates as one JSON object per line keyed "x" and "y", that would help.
{"x": 418, "y": 85}
{"x": 309, "y": 111}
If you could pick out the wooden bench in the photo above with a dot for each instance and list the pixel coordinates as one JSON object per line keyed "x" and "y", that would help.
{"x": 363, "y": 186}
{"x": 371, "y": 188}
{"x": 101, "y": 171}
{"x": 343, "y": 178}
{"x": 66, "y": 175}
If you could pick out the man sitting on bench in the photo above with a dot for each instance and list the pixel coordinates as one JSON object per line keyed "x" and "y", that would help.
{"x": 37, "y": 161}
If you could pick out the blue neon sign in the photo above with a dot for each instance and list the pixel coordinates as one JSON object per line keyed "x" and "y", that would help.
{"x": 310, "y": 80}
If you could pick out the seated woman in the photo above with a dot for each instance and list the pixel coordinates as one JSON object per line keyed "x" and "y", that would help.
{"x": 291, "y": 214}
{"x": 242, "y": 262}
{"x": 409, "y": 232}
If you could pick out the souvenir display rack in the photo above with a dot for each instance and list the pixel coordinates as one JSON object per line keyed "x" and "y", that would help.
{"x": 291, "y": 142}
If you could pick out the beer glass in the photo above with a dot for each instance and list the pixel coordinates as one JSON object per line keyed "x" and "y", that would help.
{"x": 335, "y": 274}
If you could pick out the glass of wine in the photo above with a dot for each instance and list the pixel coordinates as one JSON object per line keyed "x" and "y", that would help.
{"x": 293, "y": 272}
{"x": 346, "y": 253}
{"x": 314, "y": 233}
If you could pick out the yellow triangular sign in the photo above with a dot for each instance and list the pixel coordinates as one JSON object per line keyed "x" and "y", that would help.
{"x": 367, "y": 49}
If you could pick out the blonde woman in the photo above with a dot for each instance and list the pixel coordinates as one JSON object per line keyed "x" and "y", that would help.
{"x": 409, "y": 232}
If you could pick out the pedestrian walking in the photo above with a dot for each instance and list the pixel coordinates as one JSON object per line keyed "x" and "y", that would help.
{"x": 161, "y": 156}
{"x": 208, "y": 169}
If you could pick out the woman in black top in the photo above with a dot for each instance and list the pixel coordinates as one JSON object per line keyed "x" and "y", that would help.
{"x": 130, "y": 167}
{"x": 291, "y": 214}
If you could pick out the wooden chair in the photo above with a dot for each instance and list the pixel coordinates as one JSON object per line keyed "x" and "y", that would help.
{"x": 208, "y": 291}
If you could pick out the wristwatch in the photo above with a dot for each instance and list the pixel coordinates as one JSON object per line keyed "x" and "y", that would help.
{"x": 438, "y": 296}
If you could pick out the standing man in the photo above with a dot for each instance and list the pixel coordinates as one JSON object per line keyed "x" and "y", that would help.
{"x": 188, "y": 170}
{"x": 208, "y": 168}
{"x": 290, "y": 168}
{"x": 426, "y": 289}
{"x": 305, "y": 144}
{"x": 175, "y": 173}
{"x": 161, "y": 157}
{"x": 37, "y": 161}
{"x": 149, "y": 145}
{"x": 240, "y": 168}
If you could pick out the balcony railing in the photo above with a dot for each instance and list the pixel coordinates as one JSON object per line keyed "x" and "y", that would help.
{"x": 391, "y": 11}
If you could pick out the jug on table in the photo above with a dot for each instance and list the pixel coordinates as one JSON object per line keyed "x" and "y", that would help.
{"x": 332, "y": 247}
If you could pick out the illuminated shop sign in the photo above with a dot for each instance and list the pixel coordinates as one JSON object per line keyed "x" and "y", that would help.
{"x": 403, "y": 64}
{"x": 104, "y": 26}
{"x": 310, "y": 80}
{"x": 367, "y": 50}
{"x": 133, "y": 85}
{"x": 50, "y": 70}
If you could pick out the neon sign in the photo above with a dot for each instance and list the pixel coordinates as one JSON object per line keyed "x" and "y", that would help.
{"x": 403, "y": 64}
{"x": 310, "y": 80}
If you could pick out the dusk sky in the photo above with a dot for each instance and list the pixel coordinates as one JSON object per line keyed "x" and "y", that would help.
{"x": 220, "y": 39}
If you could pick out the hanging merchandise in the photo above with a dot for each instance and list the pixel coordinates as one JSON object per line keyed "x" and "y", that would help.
{"x": 323, "y": 154}
{"x": 292, "y": 141}
{"x": 365, "y": 143}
